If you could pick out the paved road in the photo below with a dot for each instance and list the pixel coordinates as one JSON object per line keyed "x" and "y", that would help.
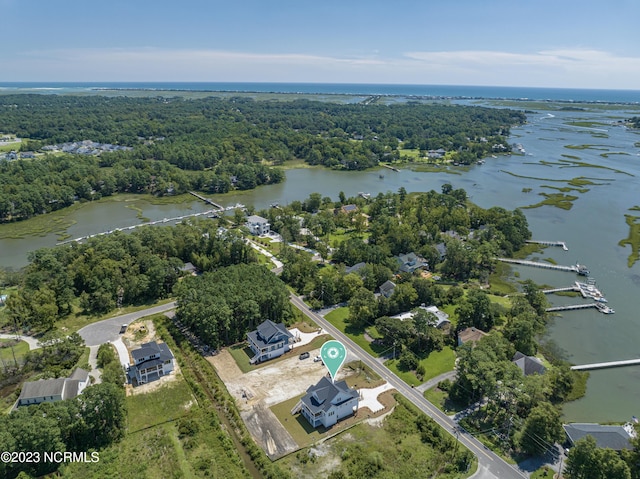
{"x": 109, "y": 329}
{"x": 31, "y": 341}
{"x": 490, "y": 466}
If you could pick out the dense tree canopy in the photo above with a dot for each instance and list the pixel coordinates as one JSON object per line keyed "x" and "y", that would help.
{"x": 215, "y": 144}
{"x": 222, "y": 306}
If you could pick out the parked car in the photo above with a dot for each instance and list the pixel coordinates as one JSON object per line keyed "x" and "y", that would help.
{"x": 123, "y": 328}
{"x": 304, "y": 355}
{"x": 316, "y": 359}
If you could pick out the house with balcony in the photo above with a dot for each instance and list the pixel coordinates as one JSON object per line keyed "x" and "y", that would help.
{"x": 151, "y": 361}
{"x": 327, "y": 402}
{"x": 258, "y": 225}
{"x": 268, "y": 341}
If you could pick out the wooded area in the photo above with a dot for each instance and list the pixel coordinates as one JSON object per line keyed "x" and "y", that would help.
{"x": 216, "y": 145}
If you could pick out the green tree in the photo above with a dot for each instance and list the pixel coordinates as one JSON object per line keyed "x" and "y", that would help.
{"x": 587, "y": 461}
{"x": 362, "y": 308}
{"x": 541, "y": 430}
{"x": 103, "y": 410}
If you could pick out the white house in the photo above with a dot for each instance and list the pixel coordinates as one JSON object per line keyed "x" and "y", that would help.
{"x": 150, "y": 362}
{"x": 51, "y": 390}
{"x": 269, "y": 341}
{"x": 327, "y": 402}
{"x": 258, "y": 225}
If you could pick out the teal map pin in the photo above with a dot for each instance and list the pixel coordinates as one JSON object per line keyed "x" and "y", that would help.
{"x": 333, "y": 354}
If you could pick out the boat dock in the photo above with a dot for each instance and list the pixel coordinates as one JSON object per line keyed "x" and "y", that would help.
{"x": 558, "y": 267}
{"x": 558, "y": 290}
{"x": 206, "y": 200}
{"x": 562, "y": 244}
{"x": 609, "y": 364}
{"x": 571, "y": 307}
{"x": 390, "y": 167}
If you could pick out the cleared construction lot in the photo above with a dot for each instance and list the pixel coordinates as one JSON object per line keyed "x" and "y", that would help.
{"x": 270, "y": 384}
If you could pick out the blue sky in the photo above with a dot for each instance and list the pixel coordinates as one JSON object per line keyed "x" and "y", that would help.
{"x": 543, "y": 43}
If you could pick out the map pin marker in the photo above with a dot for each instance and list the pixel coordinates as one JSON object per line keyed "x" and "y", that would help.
{"x": 333, "y": 354}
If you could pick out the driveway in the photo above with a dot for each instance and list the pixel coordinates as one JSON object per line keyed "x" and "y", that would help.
{"x": 31, "y": 341}
{"x": 108, "y": 330}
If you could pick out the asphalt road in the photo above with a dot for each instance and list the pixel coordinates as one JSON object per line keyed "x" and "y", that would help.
{"x": 490, "y": 465}
{"x": 109, "y": 329}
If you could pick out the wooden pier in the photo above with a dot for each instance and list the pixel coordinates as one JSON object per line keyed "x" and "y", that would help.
{"x": 206, "y": 200}
{"x": 609, "y": 364}
{"x": 557, "y": 267}
{"x": 571, "y": 307}
{"x": 390, "y": 167}
{"x": 558, "y": 290}
{"x": 562, "y": 244}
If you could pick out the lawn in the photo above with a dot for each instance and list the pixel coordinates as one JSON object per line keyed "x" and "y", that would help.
{"x": 338, "y": 317}
{"x": 167, "y": 403}
{"x": 439, "y": 398}
{"x": 19, "y": 349}
{"x": 436, "y": 363}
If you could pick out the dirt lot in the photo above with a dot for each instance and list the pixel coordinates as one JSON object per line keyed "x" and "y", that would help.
{"x": 256, "y": 391}
{"x": 137, "y": 334}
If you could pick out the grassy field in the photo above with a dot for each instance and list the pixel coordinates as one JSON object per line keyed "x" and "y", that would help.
{"x": 19, "y": 349}
{"x": 338, "y": 317}
{"x": 436, "y": 363}
{"x": 166, "y": 404}
{"x": 392, "y": 448}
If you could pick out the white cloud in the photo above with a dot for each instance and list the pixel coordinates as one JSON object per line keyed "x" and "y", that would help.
{"x": 578, "y": 68}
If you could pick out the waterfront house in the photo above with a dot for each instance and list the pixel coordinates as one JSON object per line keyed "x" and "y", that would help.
{"x": 327, "y": 402}
{"x": 349, "y": 209}
{"x": 613, "y": 437}
{"x": 51, "y": 390}
{"x": 528, "y": 364}
{"x": 258, "y": 225}
{"x": 151, "y": 361}
{"x": 268, "y": 341}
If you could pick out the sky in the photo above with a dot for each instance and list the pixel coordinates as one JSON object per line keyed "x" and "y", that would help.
{"x": 533, "y": 43}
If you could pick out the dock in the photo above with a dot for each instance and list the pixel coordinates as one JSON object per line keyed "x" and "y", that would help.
{"x": 557, "y": 267}
{"x": 562, "y": 244}
{"x": 571, "y": 307}
{"x": 609, "y": 364}
{"x": 390, "y": 167}
{"x": 206, "y": 200}
{"x": 558, "y": 290}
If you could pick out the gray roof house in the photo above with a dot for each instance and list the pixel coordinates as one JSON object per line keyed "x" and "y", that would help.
{"x": 268, "y": 341}
{"x": 387, "y": 288}
{"x": 51, "y": 390}
{"x": 258, "y": 225}
{"x": 410, "y": 262}
{"x": 613, "y": 437}
{"x": 151, "y": 361}
{"x": 355, "y": 268}
{"x": 528, "y": 364}
{"x": 327, "y": 402}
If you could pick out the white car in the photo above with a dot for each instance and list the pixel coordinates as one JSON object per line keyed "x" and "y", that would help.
{"x": 316, "y": 359}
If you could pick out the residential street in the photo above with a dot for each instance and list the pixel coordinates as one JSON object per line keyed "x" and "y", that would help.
{"x": 109, "y": 329}
{"x": 490, "y": 466}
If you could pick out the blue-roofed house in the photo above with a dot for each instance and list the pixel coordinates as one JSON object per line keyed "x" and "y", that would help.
{"x": 269, "y": 340}
{"x": 150, "y": 362}
{"x": 327, "y": 402}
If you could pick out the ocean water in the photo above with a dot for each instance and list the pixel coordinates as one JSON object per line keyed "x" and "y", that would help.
{"x": 441, "y": 91}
